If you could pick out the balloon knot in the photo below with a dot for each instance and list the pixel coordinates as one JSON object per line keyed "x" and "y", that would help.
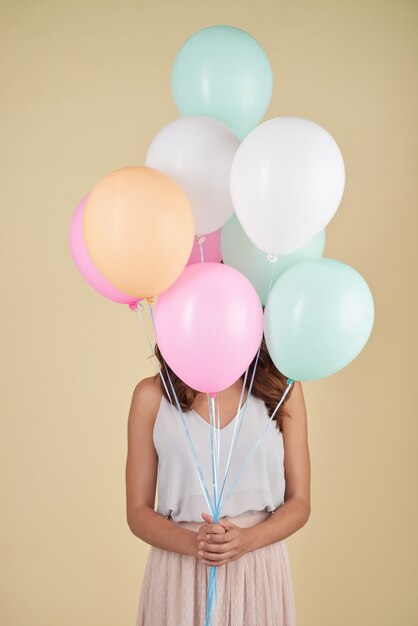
{"x": 212, "y": 394}
{"x": 149, "y": 299}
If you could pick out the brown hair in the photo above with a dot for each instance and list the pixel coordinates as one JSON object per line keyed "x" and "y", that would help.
{"x": 269, "y": 384}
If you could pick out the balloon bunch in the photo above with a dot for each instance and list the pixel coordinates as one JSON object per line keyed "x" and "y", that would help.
{"x": 219, "y": 185}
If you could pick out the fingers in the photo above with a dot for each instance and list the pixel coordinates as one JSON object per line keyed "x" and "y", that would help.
{"x": 224, "y": 537}
{"x": 221, "y": 537}
{"x": 218, "y": 560}
{"x": 211, "y": 533}
{"x": 217, "y": 539}
{"x": 225, "y": 523}
{"x": 212, "y": 528}
{"x": 206, "y": 549}
{"x": 206, "y": 533}
{"x": 218, "y": 543}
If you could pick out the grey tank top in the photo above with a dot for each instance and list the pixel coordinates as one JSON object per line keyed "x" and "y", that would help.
{"x": 179, "y": 493}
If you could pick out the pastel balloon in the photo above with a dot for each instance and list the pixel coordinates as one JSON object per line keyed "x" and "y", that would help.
{"x": 223, "y": 72}
{"x": 209, "y": 325}
{"x": 318, "y": 318}
{"x": 197, "y": 153}
{"x": 211, "y": 249}
{"x": 239, "y": 251}
{"x": 85, "y": 265}
{"x": 139, "y": 230}
{"x": 287, "y": 181}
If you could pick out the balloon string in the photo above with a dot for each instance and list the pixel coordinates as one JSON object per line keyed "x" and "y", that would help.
{"x": 219, "y": 434}
{"x": 212, "y": 584}
{"x": 235, "y": 435}
{"x": 249, "y": 457}
{"x": 213, "y": 568}
{"x": 201, "y": 241}
{"x": 273, "y": 260}
{"x": 191, "y": 448}
{"x": 216, "y": 430}
{"x": 212, "y": 445}
{"x": 211, "y": 591}
{"x": 216, "y": 436}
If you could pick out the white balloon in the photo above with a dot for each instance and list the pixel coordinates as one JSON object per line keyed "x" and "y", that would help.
{"x": 287, "y": 181}
{"x": 197, "y": 152}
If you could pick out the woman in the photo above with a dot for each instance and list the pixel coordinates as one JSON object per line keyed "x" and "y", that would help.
{"x": 270, "y": 502}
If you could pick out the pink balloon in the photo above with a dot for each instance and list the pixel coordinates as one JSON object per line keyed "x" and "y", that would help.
{"x": 209, "y": 325}
{"x": 85, "y": 264}
{"x": 211, "y": 249}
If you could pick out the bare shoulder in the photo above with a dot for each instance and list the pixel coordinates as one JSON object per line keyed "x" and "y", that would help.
{"x": 148, "y": 389}
{"x": 146, "y": 398}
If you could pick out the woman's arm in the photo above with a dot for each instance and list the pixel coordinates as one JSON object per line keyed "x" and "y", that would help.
{"x": 141, "y": 476}
{"x": 295, "y": 511}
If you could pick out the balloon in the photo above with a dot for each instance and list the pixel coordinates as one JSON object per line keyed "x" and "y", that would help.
{"x": 287, "y": 181}
{"x": 197, "y": 153}
{"x": 209, "y": 325}
{"x": 223, "y": 72}
{"x": 85, "y": 264}
{"x": 211, "y": 247}
{"x": 318, "y": 318}
{"x": 241, "y": 253}
{"x": 139, "y": 230}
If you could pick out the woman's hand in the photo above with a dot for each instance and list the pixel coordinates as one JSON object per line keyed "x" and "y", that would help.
{"x": 220, "y": 543}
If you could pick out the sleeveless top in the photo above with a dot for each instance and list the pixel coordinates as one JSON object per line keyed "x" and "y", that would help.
{"x": 261, "y": 485}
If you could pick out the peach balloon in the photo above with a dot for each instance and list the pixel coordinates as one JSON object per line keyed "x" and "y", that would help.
{"x": 138, "y": 229}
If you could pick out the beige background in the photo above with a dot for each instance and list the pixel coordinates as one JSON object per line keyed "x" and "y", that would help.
{"x": 85, "y": 86}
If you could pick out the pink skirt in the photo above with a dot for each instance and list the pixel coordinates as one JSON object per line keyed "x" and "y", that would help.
{"x": 254, "y": 590}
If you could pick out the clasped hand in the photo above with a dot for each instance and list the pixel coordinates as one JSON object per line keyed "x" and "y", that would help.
{"x": 220, "y": 543}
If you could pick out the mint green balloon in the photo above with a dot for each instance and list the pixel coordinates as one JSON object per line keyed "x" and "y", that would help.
{"x": 222, "y": 72}
{"x": 318, "y": 318}
{"x": 240, "y": 252}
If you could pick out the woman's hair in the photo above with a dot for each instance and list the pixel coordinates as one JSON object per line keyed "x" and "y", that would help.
{"x": 269, "y": 384}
